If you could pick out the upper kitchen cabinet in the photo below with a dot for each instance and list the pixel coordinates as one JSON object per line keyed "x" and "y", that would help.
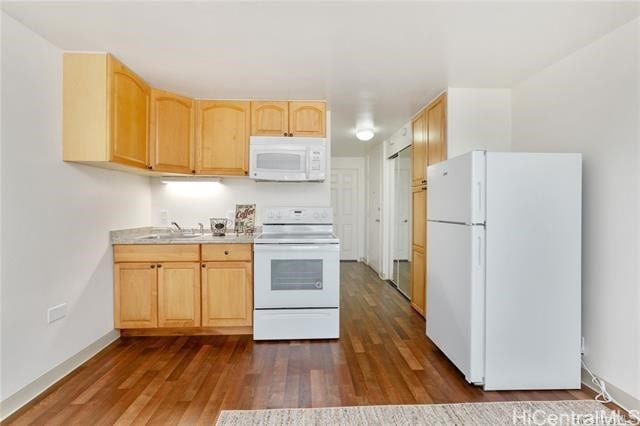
{"x": 270, "y": 118}
{"x": 222, "y": 137}
{"x": 419, "y": 150}
{"x": 172, "y": 124}
{"x": 105, "y": 111}
{"x": 282, "y": 118}
{"x": 307, "y": 119}
{"x": 436, "y": 130}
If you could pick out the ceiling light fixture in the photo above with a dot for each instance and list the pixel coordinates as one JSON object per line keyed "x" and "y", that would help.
{"x": 365, "y": 134}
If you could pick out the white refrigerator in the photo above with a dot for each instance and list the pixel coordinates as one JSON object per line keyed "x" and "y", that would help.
{"x": 504, "y": 267}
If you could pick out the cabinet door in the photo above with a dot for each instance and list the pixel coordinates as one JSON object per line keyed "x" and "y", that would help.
{"x": 129, "y": 109}
{"x": 418, "y": 280}
{"x": 270, "y": 118}
{"x": 222, "y": 138}
{"x": 419, "y": 216}
{"x": 419, "y": 151}
{"x": 307, "y": 119}
{"x": 179, "y": 294}
{"x": 227, "y": 294}
{"x": 136, "y": 296}
{"x": 436, "y": 131}
{"x": 171, "y": 132}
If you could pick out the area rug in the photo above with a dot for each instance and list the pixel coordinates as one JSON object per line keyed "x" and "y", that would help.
{"x": 481, "y": 413}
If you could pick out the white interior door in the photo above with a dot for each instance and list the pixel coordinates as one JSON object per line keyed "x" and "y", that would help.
{"x": 346, "y": 220}
{"x": 403, "y": 207}
{"x": 374, "y": 209}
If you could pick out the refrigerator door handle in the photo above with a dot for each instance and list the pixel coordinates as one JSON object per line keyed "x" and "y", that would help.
{"x": 479, "y": 239}
{"x": 479, "y": 196}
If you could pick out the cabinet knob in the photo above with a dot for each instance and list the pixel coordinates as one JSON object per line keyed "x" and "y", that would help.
{"x": 150, "y": 167}
{"x": 424, "y": 181}
{"x": 153, "y": 266}
{"x": 204, "y": 266}
{"x": 286, "y": 134}
{"x": 226, "y": 252}
{"x": 290, "y": 134}
{"x": 193, "y": 172}
{"x": 159, "y": 265}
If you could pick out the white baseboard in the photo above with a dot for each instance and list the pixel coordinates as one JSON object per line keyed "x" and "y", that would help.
{"x": 14, "y": 402}
{"x": 626, "y": 401}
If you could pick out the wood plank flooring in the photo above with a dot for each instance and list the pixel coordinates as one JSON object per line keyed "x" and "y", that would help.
{"x": 382, "y": 357}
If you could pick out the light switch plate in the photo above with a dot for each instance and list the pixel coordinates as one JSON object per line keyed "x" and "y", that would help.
{"x": 56, "y": 312}
{"x": 164, "y": 217}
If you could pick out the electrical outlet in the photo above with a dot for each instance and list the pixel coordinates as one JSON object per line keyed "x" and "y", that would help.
{"x": 56, "y": 312}
{"x": 582, "y": 345}
{"x": 164, "y": 217}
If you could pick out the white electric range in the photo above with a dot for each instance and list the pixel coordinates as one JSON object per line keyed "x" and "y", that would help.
{"x": 296, "y": 275}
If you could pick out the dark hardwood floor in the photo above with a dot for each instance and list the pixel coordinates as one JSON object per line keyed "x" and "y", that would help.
{"x": 382, "y": 357}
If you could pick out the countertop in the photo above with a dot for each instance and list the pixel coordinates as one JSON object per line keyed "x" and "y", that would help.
{"x": 169, "y": 236}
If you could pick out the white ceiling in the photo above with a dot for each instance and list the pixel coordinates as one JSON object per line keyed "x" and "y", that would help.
{"x": 373, "y": 61}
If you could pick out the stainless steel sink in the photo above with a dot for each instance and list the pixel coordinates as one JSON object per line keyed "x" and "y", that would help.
{"x": 168, "y": 237}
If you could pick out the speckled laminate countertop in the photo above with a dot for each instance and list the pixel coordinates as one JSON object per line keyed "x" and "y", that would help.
{"x": 155, "y": 235}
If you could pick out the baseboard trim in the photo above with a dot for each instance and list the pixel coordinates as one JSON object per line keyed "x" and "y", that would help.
{"x": 16, "y": 401}
{"x": 623, "y": 399}
{"x": 187, "y": 331}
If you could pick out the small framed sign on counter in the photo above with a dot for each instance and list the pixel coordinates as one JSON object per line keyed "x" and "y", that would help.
{"x": 245, "y": 218}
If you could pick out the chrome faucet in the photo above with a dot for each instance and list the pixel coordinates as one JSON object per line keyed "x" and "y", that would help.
{"x": 177, "y": 226}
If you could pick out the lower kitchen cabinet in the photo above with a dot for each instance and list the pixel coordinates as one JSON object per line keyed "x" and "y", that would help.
{"x": 136, "y": 297}
{"x": 178, "y": 294}
{"x": 227, "y": 294}
{"x": 418, "y": 280}
{"x": 183, "y": 289}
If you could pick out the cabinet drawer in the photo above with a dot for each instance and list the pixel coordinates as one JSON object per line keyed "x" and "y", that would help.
{"x": 222, "y": 252}
{"x": 156, "y": 253}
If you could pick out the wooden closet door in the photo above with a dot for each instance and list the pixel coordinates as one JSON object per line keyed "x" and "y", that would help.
{"x": 222, "y": 138}
{"x": 171, "y": 132}
{"x": 269, "y": 118}
{"x": 129, "y": 112}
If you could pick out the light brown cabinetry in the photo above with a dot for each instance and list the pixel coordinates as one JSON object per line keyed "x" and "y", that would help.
{"x": 227, "y": 294}
{"x": 183, "y": 287}
{"x": 419, "y": 150}
{"x": 105, "y": 111}
{"x": 429, "y": 147}
{"x": 282, "y": 118}
{"x": 269, "y": 118}
{"x": 178, "y": 294}
{"x": 418, "y": 249}
{"x": 135, "y": 294}
{"x": 172, "y": 125}
{"x": 436, "y": 130}
{"x": 222, "y": 137}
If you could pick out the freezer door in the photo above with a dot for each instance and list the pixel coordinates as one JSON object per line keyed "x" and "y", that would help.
{"x": 455, "y": 295}
{"x": 456, "y": 189}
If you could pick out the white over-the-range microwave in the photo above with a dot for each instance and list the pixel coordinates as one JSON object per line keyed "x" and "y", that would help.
{"x": 287, "y": 159}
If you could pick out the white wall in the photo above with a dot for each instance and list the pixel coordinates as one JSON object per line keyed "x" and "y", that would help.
{"x": 588, "y": 103}
{"x": 55, "y": 217}
{"x": 189, "y": 203}
{"x": 478, "y": 119}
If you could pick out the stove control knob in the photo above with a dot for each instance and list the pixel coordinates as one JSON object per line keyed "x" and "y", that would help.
{"x": 270, "y": 214}
{"x": 324, "y": 214}
{"x": 278, "y": 215}
{"x": 316, "y": 215}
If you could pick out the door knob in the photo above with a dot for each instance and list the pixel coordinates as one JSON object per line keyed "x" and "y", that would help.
{"x": 377, "y": 220}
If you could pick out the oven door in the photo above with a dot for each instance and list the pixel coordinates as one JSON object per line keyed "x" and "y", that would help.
{"x": 296, "y": 276}
{"x": 278, "y": 163}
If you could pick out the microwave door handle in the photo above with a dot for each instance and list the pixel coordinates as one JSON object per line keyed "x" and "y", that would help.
{"x": 308, "y": 163}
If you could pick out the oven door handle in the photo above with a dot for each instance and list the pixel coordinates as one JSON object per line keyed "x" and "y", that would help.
{"x": 289, "y": 247}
